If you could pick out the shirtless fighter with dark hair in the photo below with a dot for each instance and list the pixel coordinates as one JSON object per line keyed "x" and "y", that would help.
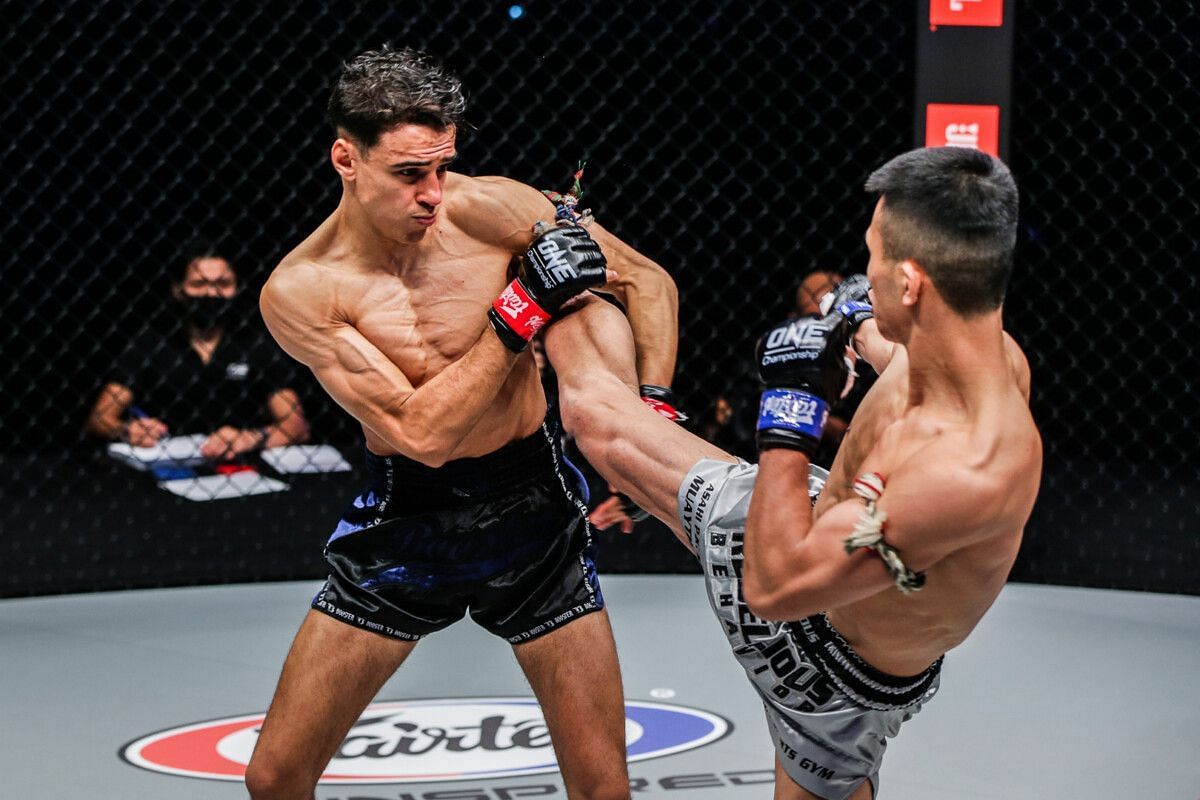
{"x": 404, "y": 305}
{"x": 841, "y": 612}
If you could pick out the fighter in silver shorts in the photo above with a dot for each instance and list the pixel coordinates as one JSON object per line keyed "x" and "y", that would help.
{"x": 829, "y": 712}
{"x": 921, "y": 518}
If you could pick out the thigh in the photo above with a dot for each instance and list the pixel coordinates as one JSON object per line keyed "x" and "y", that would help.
{"x": 574, "y": 673}
{"x": 332, "y": 671}
{"x": 633, "y": 447}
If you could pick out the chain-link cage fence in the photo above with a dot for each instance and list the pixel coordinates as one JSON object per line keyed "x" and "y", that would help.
{"x": 728, "y": 141}
{"x": 1103, "y": 300}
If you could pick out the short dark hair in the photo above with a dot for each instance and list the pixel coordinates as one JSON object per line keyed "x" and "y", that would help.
{"x": 953, "y": 210}
{"x": 192, "y": 252}
{"x": 380, "y": 89}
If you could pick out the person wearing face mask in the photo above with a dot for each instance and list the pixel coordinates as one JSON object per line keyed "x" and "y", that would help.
{"x": 207, "y": 375}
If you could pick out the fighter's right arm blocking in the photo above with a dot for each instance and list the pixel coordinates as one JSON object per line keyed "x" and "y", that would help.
{"x": 426, "y": 424}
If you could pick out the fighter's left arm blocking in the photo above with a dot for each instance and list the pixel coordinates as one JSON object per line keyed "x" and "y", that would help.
{"x": 795, "y": 567}
{"x": 651, "y": 303}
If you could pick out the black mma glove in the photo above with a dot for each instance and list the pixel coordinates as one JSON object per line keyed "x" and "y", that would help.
{"x": 850, "y": 299}
{"x": 559, "y": 264}
{"x": 802, "y": 365}
{"x": 662, "y": 401}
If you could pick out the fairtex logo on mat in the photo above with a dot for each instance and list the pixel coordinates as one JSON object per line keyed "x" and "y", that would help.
{"x": 424, "y": 741}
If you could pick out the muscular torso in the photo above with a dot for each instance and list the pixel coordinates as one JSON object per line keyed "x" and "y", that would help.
{"x": 425, "y": 314}
{"x": 903, "y": 634}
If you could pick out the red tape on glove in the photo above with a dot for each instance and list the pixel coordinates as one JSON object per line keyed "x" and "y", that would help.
{"x": 519, "y": 310}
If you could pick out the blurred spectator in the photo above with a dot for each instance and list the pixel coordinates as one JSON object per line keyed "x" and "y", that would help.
{"x": 208, "y": 375}
{"x": 813, "y": 286}
{"x": 730, "y": 422}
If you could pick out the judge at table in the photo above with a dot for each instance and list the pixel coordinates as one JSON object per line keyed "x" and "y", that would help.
{"x": 206, "y": 376}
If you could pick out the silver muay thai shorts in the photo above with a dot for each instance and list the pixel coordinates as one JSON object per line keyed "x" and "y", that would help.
{"x": 830, "y": 713}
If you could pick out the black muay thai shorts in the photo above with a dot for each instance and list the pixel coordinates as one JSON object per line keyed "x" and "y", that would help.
{"x": 504, "y": 536}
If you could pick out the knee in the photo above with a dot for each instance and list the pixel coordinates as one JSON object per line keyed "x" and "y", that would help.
{"x": 588, "y": 416}
{"x": 612, "y": 789}
{"x": 604, "y": 777}
{"x": 573, "y": 410}
{"x": 267, "y": 780}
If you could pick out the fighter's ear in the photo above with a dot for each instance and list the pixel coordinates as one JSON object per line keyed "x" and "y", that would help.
{"x": 912, "y": 280}
{"x": 345, "y": 156}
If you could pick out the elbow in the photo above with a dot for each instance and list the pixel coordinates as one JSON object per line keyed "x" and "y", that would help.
{"x": 777, "y": 602}
{"x": 667, "y": 288}
{"x": 763, "y": 603}
{"x": 433, "y": 460}
{"x": 650, "y": 283}
{"x": 431, "y": 450}
{"x": 431, "y": 453}
{"x": 775, "y": 607}
{"x": 594, "y": 416}
{"x": 758, "y": 592}
{"x": 576, "y": 415}
{"x": 664, "y": 281}
{"x": 415, "y": 434}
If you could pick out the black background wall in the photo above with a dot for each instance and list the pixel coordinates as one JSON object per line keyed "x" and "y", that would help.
{"x": 729, "y": 141}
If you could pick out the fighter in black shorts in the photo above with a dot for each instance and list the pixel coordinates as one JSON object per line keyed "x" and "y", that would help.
{"x": 389, "y": 303}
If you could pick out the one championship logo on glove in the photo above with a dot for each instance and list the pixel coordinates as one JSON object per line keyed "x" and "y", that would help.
{"x": 554, "y": 261}
{"x": 800, "y": 341}
{"x": 798, "y": 335}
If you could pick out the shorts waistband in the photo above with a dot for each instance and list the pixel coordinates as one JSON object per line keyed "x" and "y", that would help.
{"x": 865, "y": 684}
{"x": 510, "y": 466}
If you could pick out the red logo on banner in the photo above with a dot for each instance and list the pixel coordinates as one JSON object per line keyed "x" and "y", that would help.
{"x": 985, "y": 13}
{"x": 963, "y": 126}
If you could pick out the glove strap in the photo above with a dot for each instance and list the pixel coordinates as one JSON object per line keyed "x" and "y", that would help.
{"x": 793, "y": 410}
{"x": 662, "y": 401}
{"x": 856, "y": 312}
{"x": 519, "y": 312}
{"x": 631, "y": 509}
